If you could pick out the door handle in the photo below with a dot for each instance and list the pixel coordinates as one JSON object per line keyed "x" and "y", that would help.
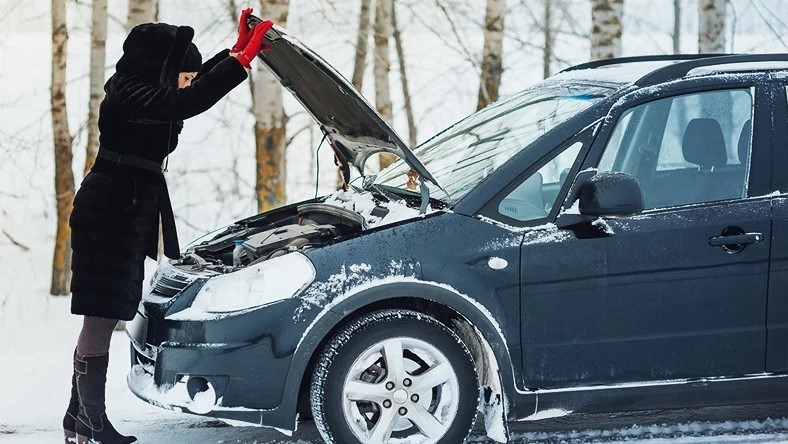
{"x": 736, "y": 239}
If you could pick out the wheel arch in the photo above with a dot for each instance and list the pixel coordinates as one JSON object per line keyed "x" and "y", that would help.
{"x": 464, "y": 316}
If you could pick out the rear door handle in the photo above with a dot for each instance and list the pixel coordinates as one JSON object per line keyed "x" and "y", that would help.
{"x": 736, "y": 239}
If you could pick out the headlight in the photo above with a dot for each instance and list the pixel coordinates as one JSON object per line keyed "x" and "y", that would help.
{"x": 269, "y": 281}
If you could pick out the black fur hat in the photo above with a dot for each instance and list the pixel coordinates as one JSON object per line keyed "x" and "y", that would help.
{"x": 158, "y": 52}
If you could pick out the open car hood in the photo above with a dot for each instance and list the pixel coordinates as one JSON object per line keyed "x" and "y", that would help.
{"x": 353, "y": 127}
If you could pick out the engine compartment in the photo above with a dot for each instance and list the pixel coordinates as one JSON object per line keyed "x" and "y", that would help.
{"x": 294, "y": 228}
{"x": 241, "y": 245}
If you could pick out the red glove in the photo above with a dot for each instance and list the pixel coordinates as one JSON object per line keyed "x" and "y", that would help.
{"x": 244, "y": 33}
{"x": 255, "y": 44}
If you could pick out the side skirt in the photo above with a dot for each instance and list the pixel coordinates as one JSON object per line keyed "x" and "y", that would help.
{"x": 656, "y": 395}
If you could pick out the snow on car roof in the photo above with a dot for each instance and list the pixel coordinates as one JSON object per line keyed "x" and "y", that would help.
{"x": 739, "y": 67}
{"x": 624, "y": 73}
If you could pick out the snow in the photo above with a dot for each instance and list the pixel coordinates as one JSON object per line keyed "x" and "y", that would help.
{"x": 363, "y": 203}
{"x": 604, "y": 226}
{"x": 546, "y": 414}
{"x": 212, "y": 184}
{"x": 497, "y": 263}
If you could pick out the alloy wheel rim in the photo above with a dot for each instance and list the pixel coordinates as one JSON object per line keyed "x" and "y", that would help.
{"x": 400, "y": 389}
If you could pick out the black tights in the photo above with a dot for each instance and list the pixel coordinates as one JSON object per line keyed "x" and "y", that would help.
{"x": 95, "y": 336}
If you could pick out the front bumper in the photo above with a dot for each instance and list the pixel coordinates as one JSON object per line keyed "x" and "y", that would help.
{"x": 232, "y": 368}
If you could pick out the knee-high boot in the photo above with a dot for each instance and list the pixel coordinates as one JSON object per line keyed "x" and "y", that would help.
{"x": 92, "y": 425}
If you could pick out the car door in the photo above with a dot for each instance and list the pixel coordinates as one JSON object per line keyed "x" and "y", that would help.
{"x": 678, "y": 291}
{"x": 777, "y": 319}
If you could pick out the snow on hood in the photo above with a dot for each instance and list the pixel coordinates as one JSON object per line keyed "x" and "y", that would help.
{"x": 363, "y": 203}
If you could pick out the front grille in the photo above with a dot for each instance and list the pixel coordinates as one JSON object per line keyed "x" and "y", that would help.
{"x": 167, "y": 282}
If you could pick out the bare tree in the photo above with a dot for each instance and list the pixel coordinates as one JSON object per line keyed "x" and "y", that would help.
{"x": 64, "y": 176}
{"x": 549, "y": 39}
{"x": 492, "y": 53}
{"x": 606, "y": 28}
{"x": 382, "y": 66}
{"x": 142, "y": 11}
{"x": 403, "y": 77}
{"x": 362, "y": 45}
{"x": 711, "y": 26}
{"x": 676, "y": 27}
{"x": 98, "y": 44}
{"x": 270, "y": 123}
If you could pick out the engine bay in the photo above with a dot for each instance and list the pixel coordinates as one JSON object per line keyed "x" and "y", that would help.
{"x": 290, "y": 229}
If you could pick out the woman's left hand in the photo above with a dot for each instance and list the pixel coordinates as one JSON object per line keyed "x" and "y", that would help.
{"x": 244, "y": 33}
{"x": 255, "y": 45}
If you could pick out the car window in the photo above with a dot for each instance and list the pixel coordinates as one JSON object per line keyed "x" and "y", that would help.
{"x": 686, "y": 149}
{"x": 535, "y": 196}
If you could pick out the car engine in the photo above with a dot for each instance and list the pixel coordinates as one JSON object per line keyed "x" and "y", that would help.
{"x": 241, "y": 245}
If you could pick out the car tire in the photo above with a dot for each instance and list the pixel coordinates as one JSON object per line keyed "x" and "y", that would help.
{"x": 430, "y": 390}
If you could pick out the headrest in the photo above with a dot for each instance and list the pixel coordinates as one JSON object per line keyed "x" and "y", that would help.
{"x": 704, "y": 144}
{"x": 744, "y": 141}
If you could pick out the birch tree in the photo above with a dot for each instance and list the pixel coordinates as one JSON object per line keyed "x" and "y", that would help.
{"x": 547, "y": 32}
{"x": 142, "y": 11}
{"x": 606, "y": 17}
{"x": 362, "y": 45}
{"x": 711, "y": 26}
{"x": 492, "y": 53}
{"x": 382, "y": 67}
{"x": 270, "y": 122}
{"x": 98, "y": 44}
{"x": 64, "y": 176}
{"x": 403, "y": 76}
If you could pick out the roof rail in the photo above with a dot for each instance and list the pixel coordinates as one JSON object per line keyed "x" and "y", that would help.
{"x": 646, "y": 58}
{"x": 678, "y": 70}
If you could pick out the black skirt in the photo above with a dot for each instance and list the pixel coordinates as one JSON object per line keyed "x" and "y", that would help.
{"x": 114, "y": 221}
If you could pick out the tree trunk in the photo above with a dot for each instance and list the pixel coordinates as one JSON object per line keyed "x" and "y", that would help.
{"x": 547, "y": 53}
{"x": 711, "y": 26}
{"x": 64, "y": 176}
{"x": 492, "y": 53}
{"x": 606, "y": 18}
{"x": 362, "y": 44}
{"x": 382, "y": 67}
{"x": 270, "y": 122}
{"x": 98, "y": 44}
{"x": 403, "y": 77}
{"x": 142, "y": 11}
{"x": 676, "y": 27}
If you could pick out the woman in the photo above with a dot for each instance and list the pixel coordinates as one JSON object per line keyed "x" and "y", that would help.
{"x": 159, "y": 82}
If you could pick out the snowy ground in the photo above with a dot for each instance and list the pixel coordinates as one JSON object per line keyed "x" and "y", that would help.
{"x": 35, "y": 376}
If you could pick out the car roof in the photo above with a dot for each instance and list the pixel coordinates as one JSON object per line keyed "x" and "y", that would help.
{"x": 651, "y": 70}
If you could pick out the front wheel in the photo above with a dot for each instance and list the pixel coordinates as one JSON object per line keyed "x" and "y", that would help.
{"x": 395, "y": 376}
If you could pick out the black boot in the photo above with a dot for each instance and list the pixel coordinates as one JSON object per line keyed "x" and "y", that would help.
{"x": 70, "y": 418}
{"x": 92, "y": 425}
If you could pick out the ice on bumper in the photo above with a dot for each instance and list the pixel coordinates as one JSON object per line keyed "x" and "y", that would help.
{"x": 254, "y": 286}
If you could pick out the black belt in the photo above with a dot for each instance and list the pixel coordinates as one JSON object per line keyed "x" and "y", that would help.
{"x": 129, "y": 160}
{"x": 168, "y": 229}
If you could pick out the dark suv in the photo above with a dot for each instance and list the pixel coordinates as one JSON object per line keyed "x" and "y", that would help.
{"x": 611, "y": 239}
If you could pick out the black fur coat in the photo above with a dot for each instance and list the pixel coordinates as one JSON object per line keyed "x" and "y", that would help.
{"x": 115, "y": 220}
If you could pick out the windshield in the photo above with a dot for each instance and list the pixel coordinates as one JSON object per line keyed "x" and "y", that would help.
{"x": 463, "y": 155}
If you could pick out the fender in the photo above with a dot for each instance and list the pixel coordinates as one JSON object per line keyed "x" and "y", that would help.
{"x": 383, "y": 289}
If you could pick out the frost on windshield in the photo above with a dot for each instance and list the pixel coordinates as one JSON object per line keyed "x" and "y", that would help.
{"x": 468, "y": 152}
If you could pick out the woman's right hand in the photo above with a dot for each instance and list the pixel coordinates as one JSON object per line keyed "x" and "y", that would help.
{"x": 244, "y": 33}
{"x": 255, "y": 44}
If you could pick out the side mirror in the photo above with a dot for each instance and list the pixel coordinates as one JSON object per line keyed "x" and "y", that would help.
{"x": 611, "y": 194}
{"x": 604, "y": 194}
